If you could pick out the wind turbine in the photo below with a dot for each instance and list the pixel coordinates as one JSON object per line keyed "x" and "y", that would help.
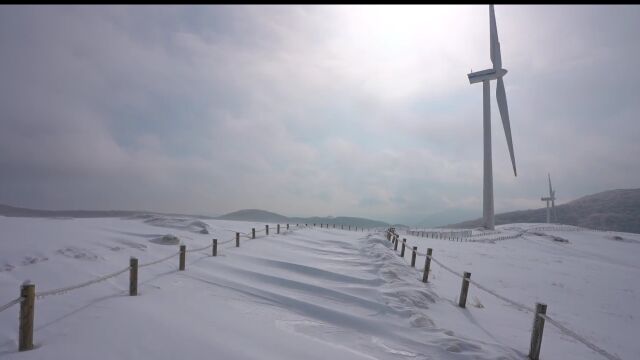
{"x": 485, "y": 76}
{"x": 552, "y": 198}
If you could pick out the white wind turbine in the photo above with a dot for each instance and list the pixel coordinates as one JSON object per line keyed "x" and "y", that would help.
{"x": 484, "y": 76}
{"x": 552, "y": 198}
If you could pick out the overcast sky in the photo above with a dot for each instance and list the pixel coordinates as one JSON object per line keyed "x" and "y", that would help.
{"x": 312, "y": 110}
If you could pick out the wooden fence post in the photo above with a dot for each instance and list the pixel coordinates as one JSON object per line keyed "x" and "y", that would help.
{"x": 465, "y": 289}
{"x": 404, "y": 243}
{"x": 395, "y": 246}
{"x": 349, "y": 227}
{"x": 133, "y": 276}
{"x": 536, "y": 332}
{"x": 214, "y": 248}
{"x": 278, "y": 229}
{"x": 427, "y": 265}
{"x": 253, "y": 232}
{"x": 183, "y": 257}
{"x": 25, "y": 333}
{"x": 266, "y": 229}
{"x": 253, "y": 236}
{"x": 287, "y": 226}
{"x": 413, "y": 256}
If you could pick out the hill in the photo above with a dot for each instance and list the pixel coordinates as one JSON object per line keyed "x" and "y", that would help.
{"x": 267, "y": 216}
{"x": 240, "y": 215}
{"x": 616, "y": 210}
{"x": 254, "y": 215}
{"x": 14, "y": 211}
{"x": 448, "y": 216}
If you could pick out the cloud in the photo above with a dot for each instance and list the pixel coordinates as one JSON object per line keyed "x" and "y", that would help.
{"x": 307, "y": 110}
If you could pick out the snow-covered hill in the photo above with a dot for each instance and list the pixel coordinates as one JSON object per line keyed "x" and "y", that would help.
{"x": 312, "y": 293}
{"x": 616, "y": 210}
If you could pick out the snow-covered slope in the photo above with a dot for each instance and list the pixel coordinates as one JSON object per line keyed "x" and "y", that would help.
{"x": 615, "y": 210}
{"x": 309, "y": 293}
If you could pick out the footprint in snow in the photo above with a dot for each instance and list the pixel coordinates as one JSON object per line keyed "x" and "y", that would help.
{"x": 7, "y": 267}
{"x": 78, "y": 253}
{"x": 29, "y": 260}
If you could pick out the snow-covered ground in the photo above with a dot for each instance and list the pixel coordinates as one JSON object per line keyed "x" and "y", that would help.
{"x": 311, "y": 293}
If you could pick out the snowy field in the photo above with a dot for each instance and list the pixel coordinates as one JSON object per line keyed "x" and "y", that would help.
{"x": 312, "y": 293}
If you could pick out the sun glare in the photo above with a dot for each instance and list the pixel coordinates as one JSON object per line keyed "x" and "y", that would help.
{"x": 398, "y": 24}
{"x": 393, "y": 47}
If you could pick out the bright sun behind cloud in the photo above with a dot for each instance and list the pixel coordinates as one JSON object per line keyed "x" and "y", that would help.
{"x": 399, "y": 49}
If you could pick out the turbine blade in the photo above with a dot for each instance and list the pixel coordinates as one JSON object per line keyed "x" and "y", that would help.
{"x": 496, "y": 58}
{"x": 501, "y": 96}
{"x": 550, "y": 190}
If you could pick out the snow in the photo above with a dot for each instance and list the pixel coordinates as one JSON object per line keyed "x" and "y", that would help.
{"x": 311, "y": 293}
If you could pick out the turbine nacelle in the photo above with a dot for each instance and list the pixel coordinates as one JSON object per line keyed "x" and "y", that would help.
{"x": 489, "y": 74}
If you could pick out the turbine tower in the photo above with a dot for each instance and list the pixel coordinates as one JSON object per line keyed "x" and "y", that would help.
{"x": 552, "y": 198}
{"x": 485, "y": 76}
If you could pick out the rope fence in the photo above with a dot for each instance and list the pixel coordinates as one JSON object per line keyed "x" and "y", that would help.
{"x": 60, "y": 291}
{"x": 28, "y": 293}
{"x": 489, "y": 235}
{"x": 199, "y": 249}
{"x": 10, "y": 304}
{"x": 159, "y": 260}
{"x": 536, "y": 335}
{"x": 579, "y": 338}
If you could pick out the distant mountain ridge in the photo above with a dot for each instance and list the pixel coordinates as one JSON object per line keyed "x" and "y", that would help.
{"x": 615, "y": 210}
{"x": 267, "y": 216}
{"x": 254, "y": 215}
{"x": 241, "y": 215}
{"x": 14, "y": 211}
{"x": 448, "y": 216}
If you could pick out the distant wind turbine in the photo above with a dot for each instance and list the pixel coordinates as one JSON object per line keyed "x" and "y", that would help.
{"x": 552, "y": 198}
{"x": 484, "y": 76}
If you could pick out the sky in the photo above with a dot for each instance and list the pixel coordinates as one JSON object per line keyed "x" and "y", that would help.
{"x": 312, "y": 110}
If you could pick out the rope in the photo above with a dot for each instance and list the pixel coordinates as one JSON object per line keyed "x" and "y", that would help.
{"x": 199, "y": 249}
{"x": 507, "y": 300}
{"x": 579, "y": 338}
{"x": 59, "y": 291}
{"x": 235, "y": 231}
{"x": 445, "y": 267}
{"x": 525, "y": 308}
{"x": 512, "y": 302}
{"x": 158, "y": 261}
{"x": 10, "y": 304}
{"x": 225, "y": 242}
{"x": 63, "y": 290}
